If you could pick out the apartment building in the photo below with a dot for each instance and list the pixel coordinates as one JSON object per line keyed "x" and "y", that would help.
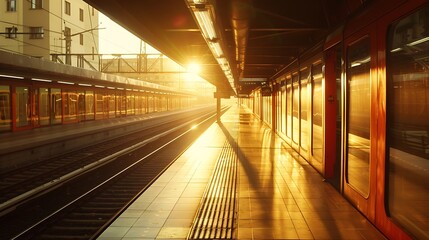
{"x": 40, "y": 28}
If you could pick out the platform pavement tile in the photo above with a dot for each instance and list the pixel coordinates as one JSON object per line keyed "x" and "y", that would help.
{"x": 245, "y": 215}
{"x": 189, "y": 200}
{"x": 132, "y": 213}
{"x": 150, "y": 222}
{"x": 173, "y": 232}
{"x": 166, "y": 177}
{"x": 184, "y": 223}
{"x": 194, "y": 189}
{"x": 153, "y": 191}
{"x": 268, "y": 205}
{"x": 272, "y": 214}
{"x": 273, "y": 223}
{"x": 300, "y": 224}
{"x": 264, "y": 200}
{"x": 115, "y": 232}
{"x": 166, "y": 200}
{"x": 139, "y": 206}
{"x": 159, "y": 206}
{"x": 171, "y": 193}
{"x": 245, "y": 233}
{"x": 275, "y": 233}
{"x": 244, "y": 223}
{"x": 124, "y": 221}
{"x": 182, "y": 214}
{"x": 142, "y": 232}
{"x": 145, "y": 199}
{"x": 333, "y": 233}
{"x": 293, "y": 208}
{"x": 155, "y": 214}
{"x": 185, "y": 207}
{"x": 304, "y": 233}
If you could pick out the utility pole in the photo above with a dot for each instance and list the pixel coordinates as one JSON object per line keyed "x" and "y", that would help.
{"x": 68, "y": 37}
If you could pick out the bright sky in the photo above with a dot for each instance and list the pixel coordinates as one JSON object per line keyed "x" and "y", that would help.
{"x": 116, "y": 39}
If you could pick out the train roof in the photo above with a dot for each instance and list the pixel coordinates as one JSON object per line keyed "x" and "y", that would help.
{"x": 19, "y": 66}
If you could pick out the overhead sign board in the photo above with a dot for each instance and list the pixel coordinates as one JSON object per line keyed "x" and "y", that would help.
{"x": 252, "y": 79}
{"x": 266, "y": 91}
{"x": 221, "y": 95}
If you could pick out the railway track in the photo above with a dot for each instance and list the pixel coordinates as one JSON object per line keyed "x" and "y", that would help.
{"x": 83, "y": 204}
{"x": 16, "y": 186}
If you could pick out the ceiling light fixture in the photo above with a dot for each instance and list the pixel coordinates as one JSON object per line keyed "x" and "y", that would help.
{"x": 204, "y": 14}
{"x": 206, "y": 23}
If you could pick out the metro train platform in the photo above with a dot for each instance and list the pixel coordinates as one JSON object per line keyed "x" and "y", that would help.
{"x": 275, "y": 193}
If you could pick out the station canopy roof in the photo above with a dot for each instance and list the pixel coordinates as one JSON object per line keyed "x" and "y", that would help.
{"x": 238, "y": 43}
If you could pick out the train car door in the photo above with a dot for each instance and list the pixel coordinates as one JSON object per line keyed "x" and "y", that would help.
{"x": 22, "y": 108}
{"x": 403, "y": 120}
{"x": 333, "y": 116}
{"x": 360, "y": 120}
{"x": 5, "y": 108}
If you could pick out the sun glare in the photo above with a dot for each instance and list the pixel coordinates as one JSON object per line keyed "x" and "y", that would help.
{"x": 194, "y": 68}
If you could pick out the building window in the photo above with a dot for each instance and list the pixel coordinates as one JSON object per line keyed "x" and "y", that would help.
{"x": 81, "y": 39}
{"x": 11, "y": 6}
{"x": 36, "y": 4}
{"x": 67, "y": 9}
{"x": 81, "y": 14}
{"x": 11, "y": 32}
{"x": 36, "y": 32}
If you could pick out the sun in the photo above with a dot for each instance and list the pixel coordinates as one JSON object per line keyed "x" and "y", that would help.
{"x": 194, "y": 68}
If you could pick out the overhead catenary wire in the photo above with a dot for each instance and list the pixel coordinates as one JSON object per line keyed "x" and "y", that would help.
{"x": 92, "y": 37}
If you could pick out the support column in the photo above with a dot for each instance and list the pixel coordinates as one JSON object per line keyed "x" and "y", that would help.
{"x": 218, "y": 103}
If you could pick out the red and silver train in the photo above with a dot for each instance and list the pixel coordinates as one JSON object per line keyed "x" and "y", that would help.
{"x": 31, "y": 98}
{"x": 356, "y": 107}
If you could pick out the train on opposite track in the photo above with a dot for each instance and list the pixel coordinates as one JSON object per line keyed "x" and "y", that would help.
{"x": 36, "y": 93}
{"x": 356, "y": 107}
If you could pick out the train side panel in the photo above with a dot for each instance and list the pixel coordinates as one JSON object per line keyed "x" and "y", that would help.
{"x": 369, "y": 133}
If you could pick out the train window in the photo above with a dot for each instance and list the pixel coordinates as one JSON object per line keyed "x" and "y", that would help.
{"x": 131, "y": 104}
{"x": 122, "y": 104}
{"x": 22, "y": 106}
{"x": 44, "y": 107}
{"x": 267, "y": 109}
{"x": 56, "y": 105}
{"x": 89, "y": 105}
{"x": 156, "y": 101}
{"x": 317, "y": 112}
{"x": 144, "y": 104}
{"x": 150, "y": 103}
{"x": 70, "y": 105}
{"x": 295, "y": 108}
{"x": 304, "y": 75}
{"x": 81, "y": 105}
{"x": 358, "y": 115}
{"x": 289, "y": 106}
{"x": 5, "y": 109}
{"x": 138, "y": 104}
{"x": 408, "y": 122}
{"x": 283, "y": 107}
{"x": 112, "y": 100}
{"x": 100, "y": 112}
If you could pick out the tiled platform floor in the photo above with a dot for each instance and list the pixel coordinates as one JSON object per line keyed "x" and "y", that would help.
{"x": 280, "y": 195}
